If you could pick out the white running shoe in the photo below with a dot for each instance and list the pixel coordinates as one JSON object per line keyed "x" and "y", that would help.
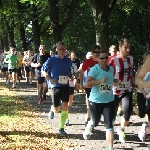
{"x": 121, "y": 134}
{"x": 142, "y": 133}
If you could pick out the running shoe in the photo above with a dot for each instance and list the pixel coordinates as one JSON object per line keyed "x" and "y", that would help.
{"x": 67, "y": 122}
{"x": 142, "y": 133}
{"x": 121, "y": 134}
{"x": 13, "y": 86}
{"x": 87, "y": 132}
{"x": 51, "y": 115}
{"x": 62, "y": 132}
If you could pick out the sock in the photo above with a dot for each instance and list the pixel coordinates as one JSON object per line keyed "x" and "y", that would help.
{"x": 67, "y": 113}
{"x": 110, "y": 148}
{"x": 63, "y": 118}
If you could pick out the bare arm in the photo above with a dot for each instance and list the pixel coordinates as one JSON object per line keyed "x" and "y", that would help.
{"x": 141, "y": 74}
{"x": 90, "y": 81}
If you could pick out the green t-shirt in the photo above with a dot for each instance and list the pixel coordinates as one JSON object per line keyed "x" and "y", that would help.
{"x": 13, "y": 61}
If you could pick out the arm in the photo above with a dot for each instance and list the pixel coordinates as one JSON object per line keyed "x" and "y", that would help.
{"x": 34, "y": 62}
{"x": 141, "y": 74}
{"x": 90, "y": 81}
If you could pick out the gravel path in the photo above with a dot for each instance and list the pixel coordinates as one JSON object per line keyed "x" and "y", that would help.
{"x": 97, "y": 141}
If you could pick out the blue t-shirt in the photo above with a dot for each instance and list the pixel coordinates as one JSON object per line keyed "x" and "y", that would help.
{"x": 56, "y": 68}
{"x": 97, "y": 96}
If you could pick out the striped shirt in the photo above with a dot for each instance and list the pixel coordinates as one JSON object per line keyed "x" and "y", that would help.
{"x": 123, "y": 72}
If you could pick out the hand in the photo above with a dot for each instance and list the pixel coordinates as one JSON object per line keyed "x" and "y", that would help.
{"x": 38, "y": 64}
{"x": 53, "y": 81}
{"x": 116, "y": 82}
{"x": 104, "y": 80}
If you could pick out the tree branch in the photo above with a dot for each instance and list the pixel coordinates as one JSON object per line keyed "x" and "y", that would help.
{"x": 112, "y": 5}
{"x": 70, "y": 13}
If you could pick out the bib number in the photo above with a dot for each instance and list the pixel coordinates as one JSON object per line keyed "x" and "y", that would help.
{"x": 105, "y": 88}
{"x": 63, "y": 80}
{"x": 123, "y": 86}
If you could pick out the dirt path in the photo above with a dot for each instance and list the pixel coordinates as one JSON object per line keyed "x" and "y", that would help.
{"x": 97, "y": 141}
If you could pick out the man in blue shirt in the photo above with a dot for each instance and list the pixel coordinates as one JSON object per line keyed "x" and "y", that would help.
{"x": 57, "y": 69}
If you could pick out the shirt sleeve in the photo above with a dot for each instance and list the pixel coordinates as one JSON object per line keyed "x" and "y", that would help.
{"x": 84, "y": 66}
{"x": 47, "y": 65}
{"x": 92, "y": 72}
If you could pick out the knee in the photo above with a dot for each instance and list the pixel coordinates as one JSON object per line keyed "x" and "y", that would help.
{"x": 64, "y": 106}
{"x": 56, "y": 109}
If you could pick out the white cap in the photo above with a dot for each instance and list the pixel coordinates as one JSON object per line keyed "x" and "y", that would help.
{"x": 88, "y": 55}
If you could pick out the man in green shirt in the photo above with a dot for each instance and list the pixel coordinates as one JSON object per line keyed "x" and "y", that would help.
{"x": 12, "y": 61}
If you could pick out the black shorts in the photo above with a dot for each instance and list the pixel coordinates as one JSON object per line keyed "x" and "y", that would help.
{"x": 10, "y": 71}
{"x": 58, "y": 94}
{"x": 28, "y": 69}
{"x": 71, "y": 90}
{"x": 4, "y": 69}
{"x": 107, "y": 109}
{"x": 40, "y": 80}
{"x": 88, "y": 91}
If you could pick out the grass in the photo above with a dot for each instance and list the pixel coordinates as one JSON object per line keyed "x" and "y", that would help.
{"x": 22, "y": 129}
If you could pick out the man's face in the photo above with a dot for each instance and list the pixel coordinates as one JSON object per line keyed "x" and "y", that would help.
{"x": 125, "y": 49}
{"x": 61, "y": 49}
{"x": 73, "y": 55}
{"x": 42, "y": 49}
{"x": 12, "y": 51}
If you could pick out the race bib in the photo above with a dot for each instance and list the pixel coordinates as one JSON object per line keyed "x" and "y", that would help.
{"x": 105, "y": 88}
{"x": 63, "y": 79}
{"x": 123, "y": 86}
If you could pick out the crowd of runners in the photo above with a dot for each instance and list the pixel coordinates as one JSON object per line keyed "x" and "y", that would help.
{"x": 108, "y": 80}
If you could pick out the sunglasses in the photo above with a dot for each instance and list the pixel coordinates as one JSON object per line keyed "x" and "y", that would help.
{"x": 41, "y": 49}
{"x": 95, "y": 52}
{"x": 103, "y": 58}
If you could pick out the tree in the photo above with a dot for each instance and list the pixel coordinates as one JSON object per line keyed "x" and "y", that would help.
{"x": 101, "y": 10}
{"x": 61, "y": 13}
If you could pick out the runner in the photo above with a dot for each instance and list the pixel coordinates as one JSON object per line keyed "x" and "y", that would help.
{"x": 123, "y": 65}
{"x": 58, "y": 70}
{"x": 87, "y": 64}
{"x": 143, "y": 98}
{"x": 38, "y": 60}
{"x": 74, "y": 72}
{"x": 12, "y": 61}
{"x": 27, "y": 60}
{"x": 100, "y": 78}
{"x": 5, "y": 70}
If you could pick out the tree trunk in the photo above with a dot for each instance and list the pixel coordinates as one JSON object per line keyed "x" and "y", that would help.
{"x": 36, "y": 29}
{"x": 11, "y": 37}
{"x": 101, "y": 10}
{"x": 23, "y": 38}
{"x": 58, "y": 26}
{"x": 5, "y": 40}
{"x": 1, "y": 44}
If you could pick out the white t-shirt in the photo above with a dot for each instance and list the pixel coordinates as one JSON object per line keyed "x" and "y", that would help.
{"x": 73, "y": 71}
{"x": 28, "y": 59}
